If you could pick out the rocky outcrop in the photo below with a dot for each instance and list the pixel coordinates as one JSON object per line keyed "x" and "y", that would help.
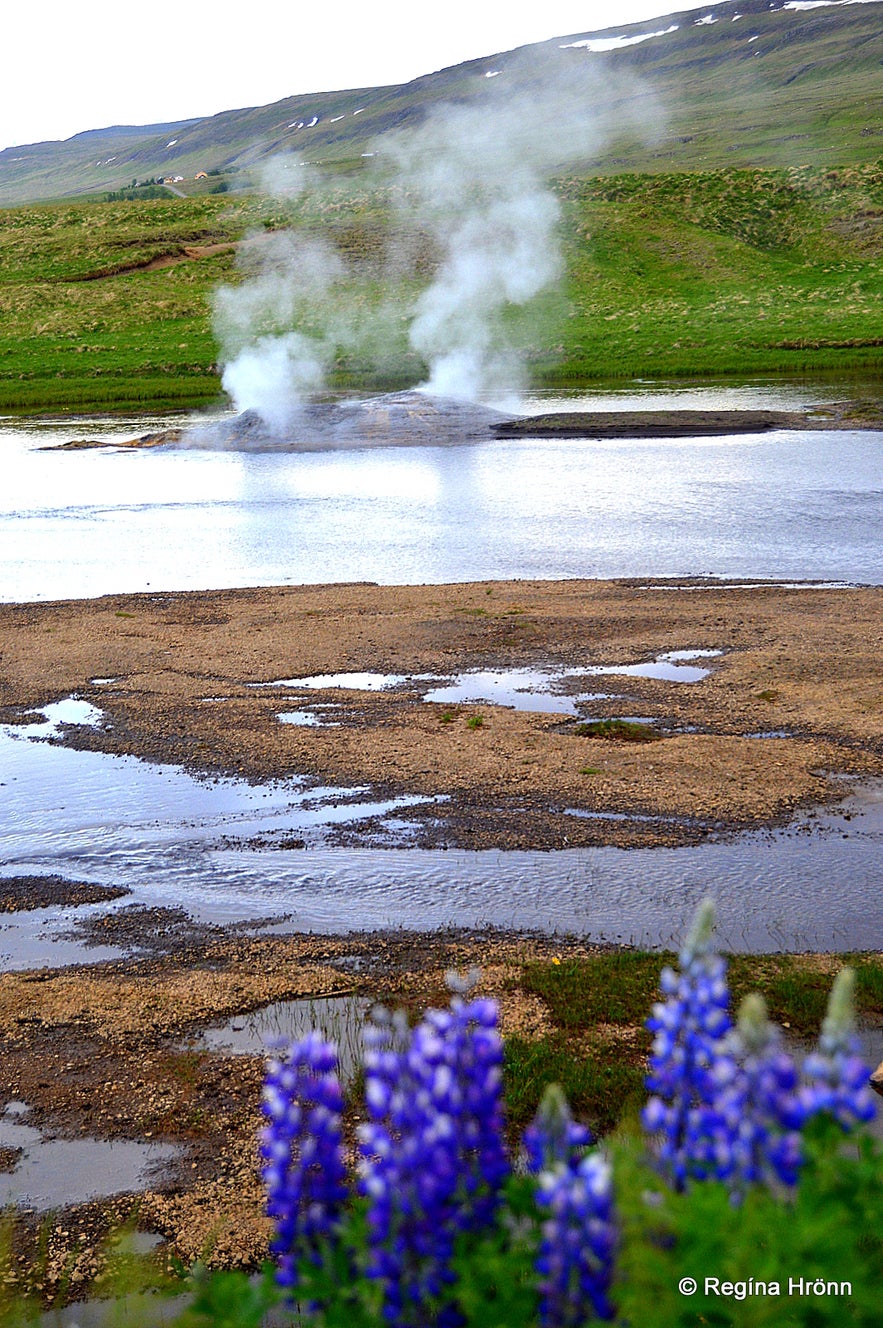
{"x": 390, "y": 420}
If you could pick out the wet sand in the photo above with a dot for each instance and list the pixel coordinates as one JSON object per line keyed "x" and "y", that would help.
{"x": 690, "y": 423}
{"x": 801, "y": 664}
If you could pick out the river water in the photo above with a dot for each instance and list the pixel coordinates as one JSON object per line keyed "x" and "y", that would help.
{"x": 787, "y": 505}
{"x": 790, "y": 506}
{"x": 177, "y": 840}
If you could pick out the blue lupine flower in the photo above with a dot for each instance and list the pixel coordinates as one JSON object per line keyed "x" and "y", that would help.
{"x": 302, "y": 1151}
{"x": 837, "y": 1074}
{"x": 433, "y": 1158}
{"x": 554, "y": 1136}
{"x": 689, "y": 1068}
{"x": 761, "y": 1106}
{"x": 575, "y": 1260}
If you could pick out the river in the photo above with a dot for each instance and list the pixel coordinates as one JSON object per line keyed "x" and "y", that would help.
{"x": 791, "y": 506}
{"x": 798, "y": 506}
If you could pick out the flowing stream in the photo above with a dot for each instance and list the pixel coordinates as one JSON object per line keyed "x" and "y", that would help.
{"x": 787, "y": 506}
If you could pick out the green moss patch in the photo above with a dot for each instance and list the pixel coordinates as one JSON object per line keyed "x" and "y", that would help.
{"x": 617, "y": 730}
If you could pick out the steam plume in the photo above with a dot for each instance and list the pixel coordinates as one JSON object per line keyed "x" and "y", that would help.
{"x": 475, "y": 177}
{"x": 477, "y": 174}
{"x": 271, "y": 366}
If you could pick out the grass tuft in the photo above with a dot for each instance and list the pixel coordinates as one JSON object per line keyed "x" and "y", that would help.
{"x": 598, "y": 1088}
{"x": 616, "y": 987}
{"x": 617, "y": 730}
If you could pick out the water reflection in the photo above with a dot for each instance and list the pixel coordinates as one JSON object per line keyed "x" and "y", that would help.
{"x": 546, "y": 691}
{"x": 50, "y": 1173}
{"x": 781, "y": 505}
{"x": 340, "y": 1019}
{"x": 812, "y": 886}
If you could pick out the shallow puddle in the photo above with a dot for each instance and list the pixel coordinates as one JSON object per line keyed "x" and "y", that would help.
{"x": 770, "y": 733}
{"x": 340, "y": 1019}
{"x": 674, "y": 666}
{"x": 359, "y": 682}
{"x": 546, "y": 691}
{"x": 141, "y": 1310}
{"x": 51, "y": 1173}
{"x": 308, "y": 719}
{"x": 518, "y": 689}
{"x": 629, "y": 817}
{"x": 71, "y": 710}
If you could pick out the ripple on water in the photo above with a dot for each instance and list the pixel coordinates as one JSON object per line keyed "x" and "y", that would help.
{"x": 114, "y": 820}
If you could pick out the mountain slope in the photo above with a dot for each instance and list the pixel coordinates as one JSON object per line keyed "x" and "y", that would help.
{"x": 743, "y": 83}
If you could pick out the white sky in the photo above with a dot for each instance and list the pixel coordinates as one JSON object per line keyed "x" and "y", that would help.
{"x": 71, "y": 65}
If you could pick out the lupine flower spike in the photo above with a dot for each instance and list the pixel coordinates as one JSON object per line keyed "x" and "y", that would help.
{"x": 837, "y": 1073}
{"x": 303, "y": 1154}
{"x": 762, "y": 1108}
{"x": 554, "y": 1136}
{"x": 433, "y": 1158}
{"x": 688, "y": 1066}
{"x": 574, "y": 1189}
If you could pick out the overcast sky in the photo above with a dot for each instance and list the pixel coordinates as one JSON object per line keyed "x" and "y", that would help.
{"x": 72, "y": 66}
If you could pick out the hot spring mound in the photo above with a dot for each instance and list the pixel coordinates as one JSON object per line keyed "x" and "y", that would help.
{"x": 396, "y": 419}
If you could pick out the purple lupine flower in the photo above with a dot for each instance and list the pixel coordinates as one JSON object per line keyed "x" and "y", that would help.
{"x": 689, "y": 1070}
{"x": 433, "y": 1158}
{"x": 575, "y": 1259}
{"x": 302, "y": 1150}
{"x": 837, "y": 1073}
{"x": 761, "y": 1106}
{"x": 554, "y": 1136}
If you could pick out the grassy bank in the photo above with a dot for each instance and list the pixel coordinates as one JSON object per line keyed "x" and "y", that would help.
{"x": 108, "y": 305}
{"x": 568, "y": 1016}
{"x": 597, "y": 1046}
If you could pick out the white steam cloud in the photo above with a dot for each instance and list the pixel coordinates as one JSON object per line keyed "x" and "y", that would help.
{"x": 474, "y": 178}
{"x": 470, "y": 179}
{"x": 274, "y": 377}
{"x": 501, "y": 252}
{"x": 271, "y": 363}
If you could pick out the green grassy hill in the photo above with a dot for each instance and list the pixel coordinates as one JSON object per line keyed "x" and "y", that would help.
{"x": 743, "y": 236}
{"x": 731, "y": 271}
{"x": 774, "y": 86}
